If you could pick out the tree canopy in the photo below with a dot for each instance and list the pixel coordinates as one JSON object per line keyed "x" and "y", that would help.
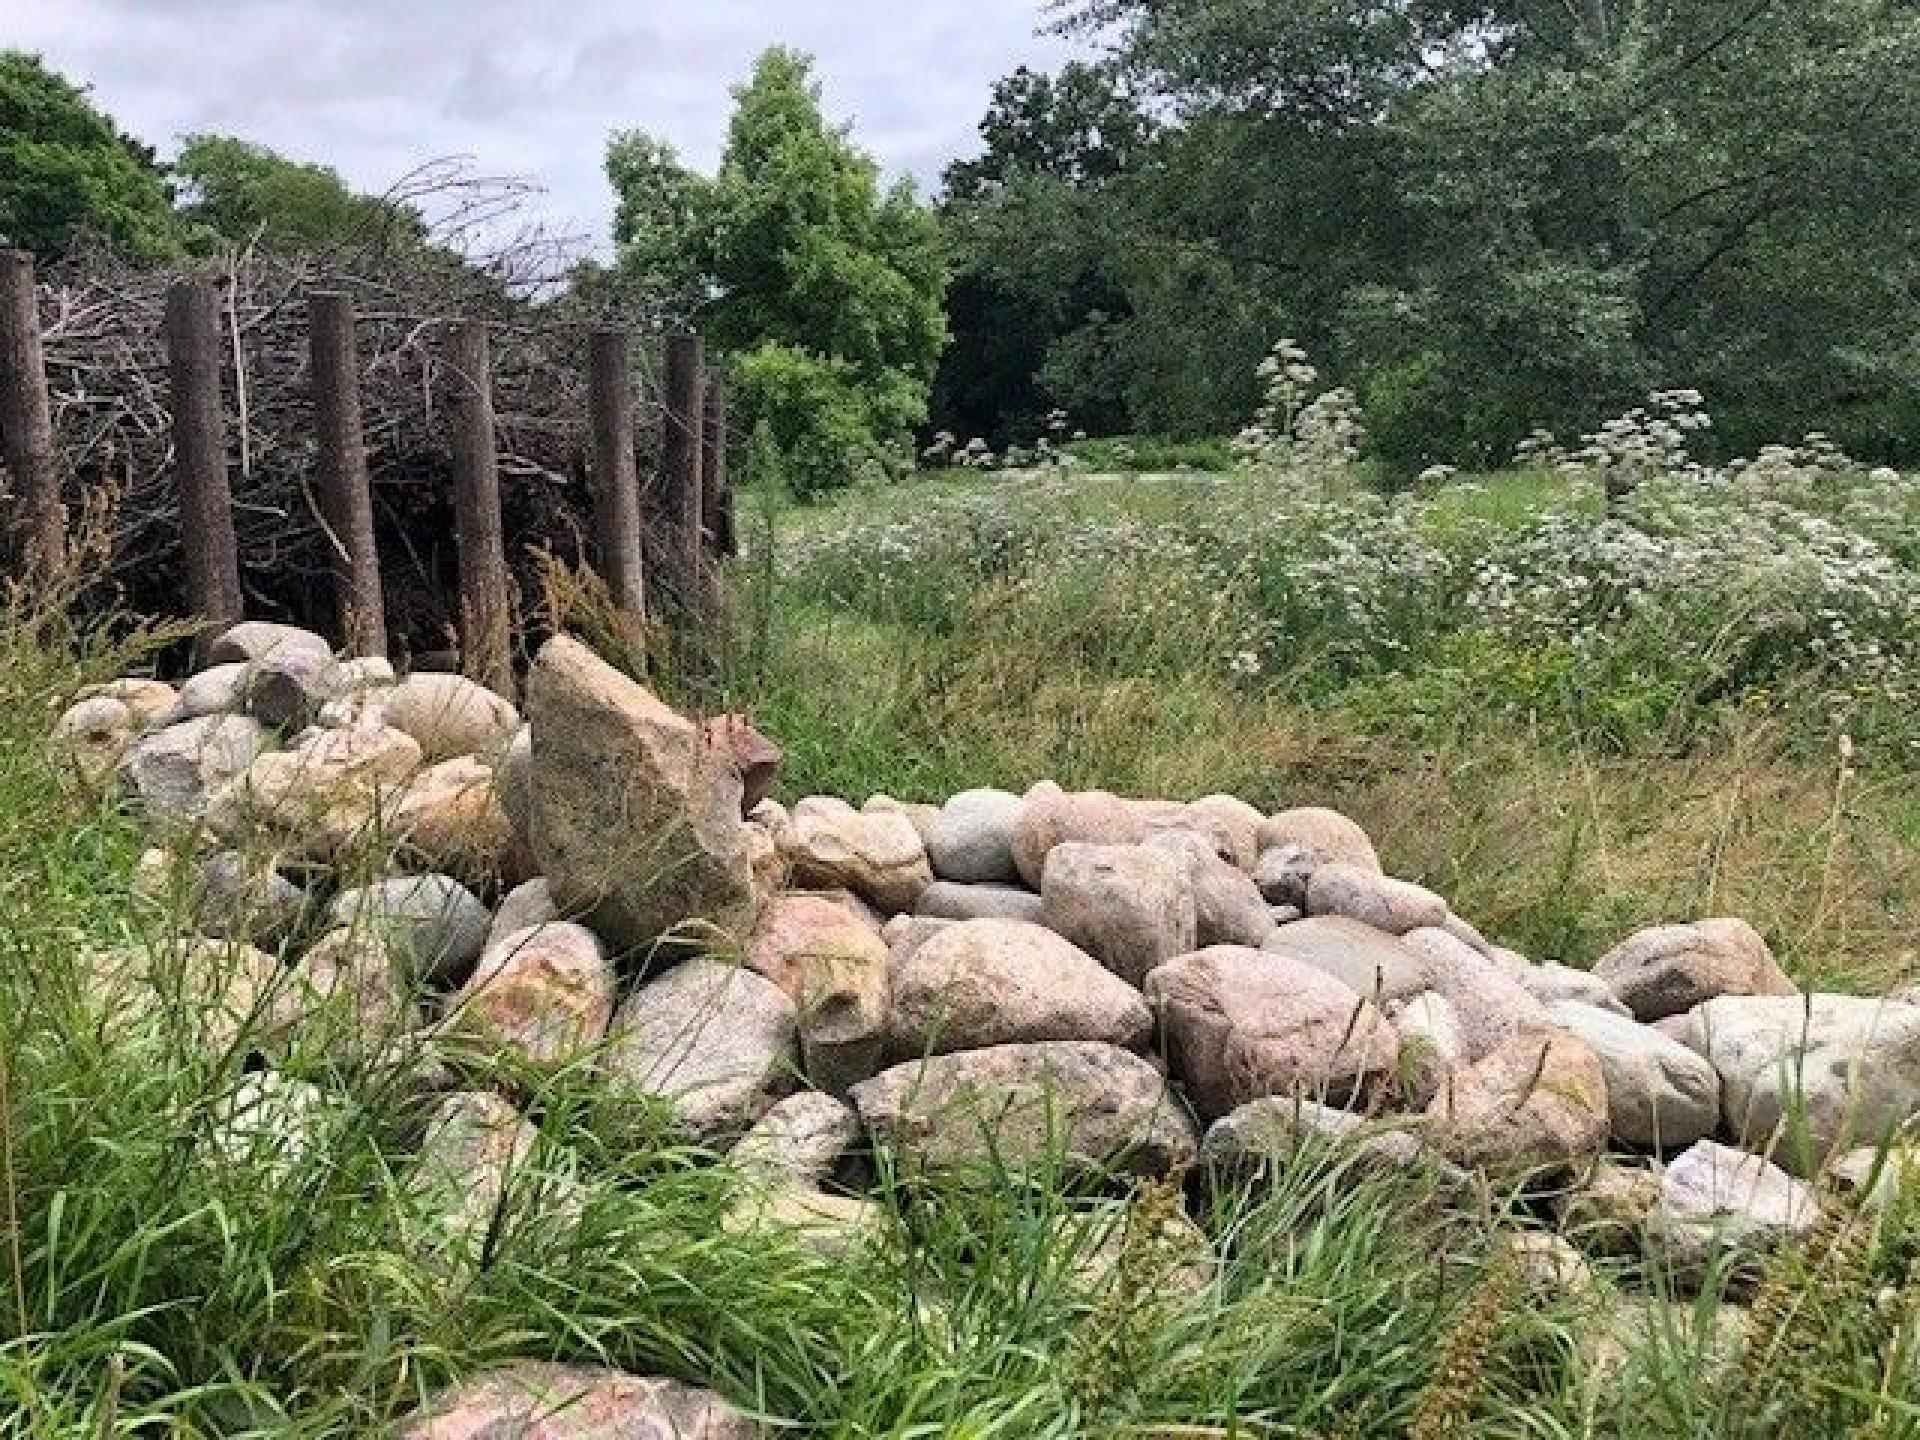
{"x": 1485, "y": 215}
{"x": 65, "y": 169}
{"x": 241, "y": 193}
{"x": 823, "y": 287}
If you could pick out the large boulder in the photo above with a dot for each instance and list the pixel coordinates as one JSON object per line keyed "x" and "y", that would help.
{"x": 1380, "y": 966}
{"x": 1094, "y": 1107}
{"x": 92, "y": 734}
{"x": 438, "y": 924}
{"x": 1003, "y": 982}
{"x": 1269, "y": 1135}
{"x": 285, "y": 688}
{"x": 1241, "y": 1024}
{"x": 1669, "y": 969}
{"x": 1049, "y": 816}
{"x": 1363, "y": 894}
{"x": 539, "y": 1400}
{"x": 174, "y": 772}
{"x": 218, "y": 996}
{"x": 1811, "y": 1076}
{"x": 449, "y": 715}
{"x": 971, "y": 839}
{"x": 714, "y": 1044}
{"x": 1660, "y": 1095}
{"x": 878, "y": 854}
{"x": 832, "y": 963}
{"x": 1130, "y": 906}
{"x": 635, "y": 817}
{"x": 543, "y": 995}
{"x": 351, "y": 1000}
{"x": 1324, "y": 837}
{"x": 1539, "y": 1102}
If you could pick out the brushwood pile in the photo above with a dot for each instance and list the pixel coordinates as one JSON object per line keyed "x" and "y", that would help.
{"x": 415, "y": 875}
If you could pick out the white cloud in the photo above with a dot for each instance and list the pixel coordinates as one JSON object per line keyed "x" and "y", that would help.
{"x": 373, "y": 87}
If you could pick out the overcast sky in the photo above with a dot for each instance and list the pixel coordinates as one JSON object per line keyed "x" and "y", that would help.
{"x": 371, "y": 87}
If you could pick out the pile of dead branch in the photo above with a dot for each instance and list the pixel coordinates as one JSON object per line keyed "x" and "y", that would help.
{"x": 107, "y": 371}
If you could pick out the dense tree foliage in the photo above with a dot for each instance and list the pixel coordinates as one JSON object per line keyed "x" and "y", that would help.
{"x": 66, "y": 170}
{"x": 824, "y": 288}
{"x": 1486, "y": 215}
{"x": 235, "y": 192}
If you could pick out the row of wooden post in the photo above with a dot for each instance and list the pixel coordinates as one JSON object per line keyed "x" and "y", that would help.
{"x": 692, "y": 483}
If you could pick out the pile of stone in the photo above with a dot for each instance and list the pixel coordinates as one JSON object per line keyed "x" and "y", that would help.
{"x": 1106, "y": 985}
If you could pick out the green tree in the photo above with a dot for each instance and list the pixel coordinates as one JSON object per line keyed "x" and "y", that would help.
{"x": 65, "y": 169}
{"x": 239, "y": 193}
{"x": 825, "y": 288}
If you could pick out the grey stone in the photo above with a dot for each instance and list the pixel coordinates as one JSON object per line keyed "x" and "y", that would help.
{"x": 1393, "y": 906}
{"x": 1660, "y": 1095}
{"x": 435, "y": 920}
{"x": 948, "y": 900}
{"x": 802, "y": 1138}
{"x": 971, "y": 839}
{"x": 1669, "y": 969}
{"x": 715, "y": 1043}
{"x": 1128, "y": 906}
{"x": 1380, "y": 966}
{"x": 174, "y": 771}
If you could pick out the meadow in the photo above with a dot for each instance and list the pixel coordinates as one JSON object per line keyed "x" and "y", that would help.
{"x": 1571, "y": 723}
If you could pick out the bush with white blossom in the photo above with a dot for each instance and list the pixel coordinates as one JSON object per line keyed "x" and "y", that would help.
{"x": 1787, "y": 583}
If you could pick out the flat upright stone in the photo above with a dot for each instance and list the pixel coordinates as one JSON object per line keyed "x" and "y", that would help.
{"x": 1228, "y": 907}
{"x": 832, "y": 963}
{"x": 1669, "y": 969}
{"x": 635, "y": 818}
{"x": 1129, "y": 906}
{"x": 1241, "y": 1024}
{"x": 1095, "y": 1108}
{"x": 1002, "y": 982}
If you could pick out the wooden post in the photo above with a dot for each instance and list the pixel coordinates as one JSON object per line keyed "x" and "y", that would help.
{"x": 680, "y": 463}
{"x": 346, "y": 496}
{"x": 485, "y": 635}
{"x": 200, "y": 452}
{"x": 38, "y": 544}
{"x": 716, "y": 489}
{"x": 616, "y": 479}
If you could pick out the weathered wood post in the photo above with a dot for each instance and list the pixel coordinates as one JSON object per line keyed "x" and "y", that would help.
{"x": 616, "y": 479}
{"x": 680, "y": 464}
{"x": 346, "y": 495}
{"x": 37, "y": 542}
{"x": 485, "y": 627}
{"x": 200, "y": 452}
{"x": 716, "y": 487}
